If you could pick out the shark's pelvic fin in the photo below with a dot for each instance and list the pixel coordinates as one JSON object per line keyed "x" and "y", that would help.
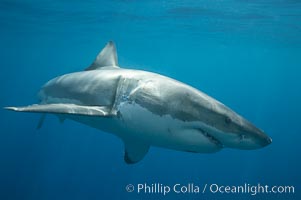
{"x": 106, "y": 58}
{"x": 62, "y": 108}
{"x": 134, "y": 151}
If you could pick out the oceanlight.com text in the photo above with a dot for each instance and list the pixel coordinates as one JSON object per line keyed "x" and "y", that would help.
{"x": 193, "y": 188}
{"x": 250, "y": 189}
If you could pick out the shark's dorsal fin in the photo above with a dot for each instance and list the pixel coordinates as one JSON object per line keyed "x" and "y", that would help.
{"x": 106, "y": 58}
{"x": 134, "y": 151}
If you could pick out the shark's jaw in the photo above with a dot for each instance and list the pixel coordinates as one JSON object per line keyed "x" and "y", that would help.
{"x": 243, "y": 140}
{"x": 211, "y": 138}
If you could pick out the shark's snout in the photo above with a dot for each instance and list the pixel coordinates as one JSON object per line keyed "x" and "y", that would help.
{"x": 265, "y": 140}
{"x": 253, "y": 140}
{"x": 258, "y": 137}
{"x": 269, "y": 140}
{"x": 242, "y": 135}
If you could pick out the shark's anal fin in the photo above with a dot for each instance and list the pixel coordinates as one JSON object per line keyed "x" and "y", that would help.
{"x": 41, "y": 121}
{"x": 62, "y": 108}
{"x": 134, "y": 151}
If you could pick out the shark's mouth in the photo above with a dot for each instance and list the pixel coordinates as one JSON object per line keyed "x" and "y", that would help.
{"x": 211, "y": 138}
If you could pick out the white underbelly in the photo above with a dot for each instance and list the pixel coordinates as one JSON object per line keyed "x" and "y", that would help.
{"x": 163, "y": 131}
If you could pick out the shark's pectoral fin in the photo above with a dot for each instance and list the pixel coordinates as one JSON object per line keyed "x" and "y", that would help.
{"x": 61, "y": 118}
{"x": 41, "y": 121}
{"x": 134, "y": 151}
{"x": 62, "y": 108}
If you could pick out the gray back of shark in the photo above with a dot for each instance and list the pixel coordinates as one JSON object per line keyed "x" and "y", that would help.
{"x": 145, "y": 109}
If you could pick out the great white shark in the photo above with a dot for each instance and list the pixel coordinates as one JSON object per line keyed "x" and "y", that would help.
{"x": 145, "y": 109}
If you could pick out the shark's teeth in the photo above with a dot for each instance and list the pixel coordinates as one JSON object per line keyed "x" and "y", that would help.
{"x": 211, "y": 138}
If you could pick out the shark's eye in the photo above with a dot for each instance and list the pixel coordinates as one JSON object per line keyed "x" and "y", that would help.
{"x": 228, "y": 120}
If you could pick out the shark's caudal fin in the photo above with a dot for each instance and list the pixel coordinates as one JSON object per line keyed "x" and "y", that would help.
{"x": 106, "y": 58}
{"x": 62, "y": 108}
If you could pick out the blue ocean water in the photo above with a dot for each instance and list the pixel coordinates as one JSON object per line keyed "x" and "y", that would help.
{"x": 244, "y": 53}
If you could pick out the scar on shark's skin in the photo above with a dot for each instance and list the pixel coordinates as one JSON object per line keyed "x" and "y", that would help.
{"x": 144, "y": 109}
